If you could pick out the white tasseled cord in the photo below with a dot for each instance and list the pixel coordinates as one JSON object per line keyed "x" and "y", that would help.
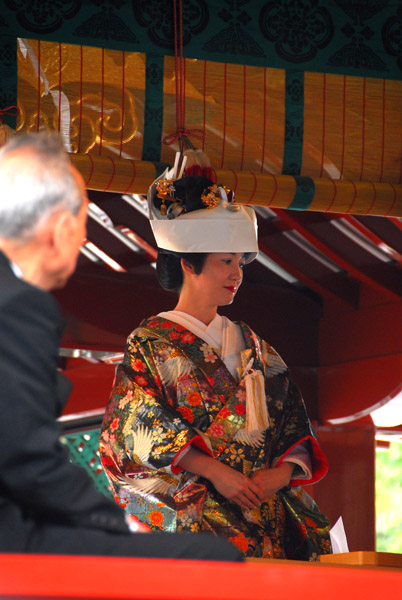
{"x": 257, "y": 416}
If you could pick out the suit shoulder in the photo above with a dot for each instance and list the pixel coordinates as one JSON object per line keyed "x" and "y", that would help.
{"x": 18, "y": 292}
{"x": 28, "y": 313}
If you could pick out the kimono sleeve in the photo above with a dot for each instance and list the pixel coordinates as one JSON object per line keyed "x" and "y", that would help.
{"x": 142, "y": 429}
{"x": 293, "y": 426}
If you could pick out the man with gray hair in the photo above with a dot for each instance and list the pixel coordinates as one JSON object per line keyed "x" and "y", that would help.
{"x": 48, "y": 504}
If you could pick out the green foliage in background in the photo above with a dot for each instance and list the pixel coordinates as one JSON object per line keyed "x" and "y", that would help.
{"x": 388, "y": 496}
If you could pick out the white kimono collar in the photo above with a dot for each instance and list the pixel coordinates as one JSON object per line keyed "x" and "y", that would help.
{"x": 224, "y": 336}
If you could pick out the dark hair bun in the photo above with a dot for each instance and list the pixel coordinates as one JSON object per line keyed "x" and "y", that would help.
{"x": 169, "y": 271}
{"x": 188, "y": 190}
{"x": 168, "y": 267}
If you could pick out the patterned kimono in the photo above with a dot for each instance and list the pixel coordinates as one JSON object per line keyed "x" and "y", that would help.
{"x": 173, "y": 390}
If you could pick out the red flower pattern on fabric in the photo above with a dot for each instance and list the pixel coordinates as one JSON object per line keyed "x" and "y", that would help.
{"x": 174, "y": 335}
{"x": 186, "y": 413}
{"x": 114, "y": 424}
{"x": 240, "y": 409}
{"x": 210, "y": 357}
{"x": 216, "y": 430}
{"x": 188, "y": 338}
{"x": 153, "y": 324}
{"x": 241, "y": 394}
{"x": 224, "y": 413}
{"x": 156, "y": 518}
{"x": 140, "y": 379}
{"x": 194, "y": 398}
{"x": 138, "y": 365}
{"x": 167, "y": 325}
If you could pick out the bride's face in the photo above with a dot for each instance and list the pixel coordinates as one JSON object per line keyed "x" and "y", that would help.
{"x": 220, "y": 278}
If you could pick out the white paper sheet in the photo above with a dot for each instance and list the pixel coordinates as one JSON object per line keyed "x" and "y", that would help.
{"x": 338, "y": 537}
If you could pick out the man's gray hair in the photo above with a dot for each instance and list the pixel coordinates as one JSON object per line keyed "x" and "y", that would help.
{"x": 39, "y": 184}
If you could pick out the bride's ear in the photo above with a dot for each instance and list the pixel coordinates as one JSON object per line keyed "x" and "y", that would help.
{"x": 187, "y": 267}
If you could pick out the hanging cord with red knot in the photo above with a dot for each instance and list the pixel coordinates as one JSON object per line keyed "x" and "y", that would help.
{"x": 12, "y": 111}
{"x": 181, "y": 134}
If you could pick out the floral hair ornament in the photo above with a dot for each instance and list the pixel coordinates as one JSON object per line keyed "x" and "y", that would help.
{"x": 165, "y": 190}
{"x": 214, "y": 194}
{"x": 211, "y": 197}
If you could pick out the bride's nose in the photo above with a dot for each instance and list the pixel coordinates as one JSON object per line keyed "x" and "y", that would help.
{"x": 237, "y": 272}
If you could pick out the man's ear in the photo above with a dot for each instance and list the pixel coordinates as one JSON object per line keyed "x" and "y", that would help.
{"x": 64, "y": 227}
{"x": 60, "y": 232}
{"x": 187, "y": 267}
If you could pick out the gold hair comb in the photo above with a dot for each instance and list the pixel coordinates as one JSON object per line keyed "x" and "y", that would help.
{"x": 165, "y": 189}
{"x": 211, "y": 196}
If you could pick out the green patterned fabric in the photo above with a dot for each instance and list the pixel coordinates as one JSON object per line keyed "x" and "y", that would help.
{"x": 83, "y": 447}
{"x": 333, "y": 36}
{"x": 305, "y": 190}
{"x": 8, "y": 76}
{"x": 294, "y": 115}
{"x": 153, "y": 114}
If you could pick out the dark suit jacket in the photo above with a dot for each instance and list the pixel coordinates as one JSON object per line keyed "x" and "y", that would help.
{"x": 38, "y": 483}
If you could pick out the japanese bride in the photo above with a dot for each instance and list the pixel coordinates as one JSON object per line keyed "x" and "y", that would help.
{"x": 205, "y": 431}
